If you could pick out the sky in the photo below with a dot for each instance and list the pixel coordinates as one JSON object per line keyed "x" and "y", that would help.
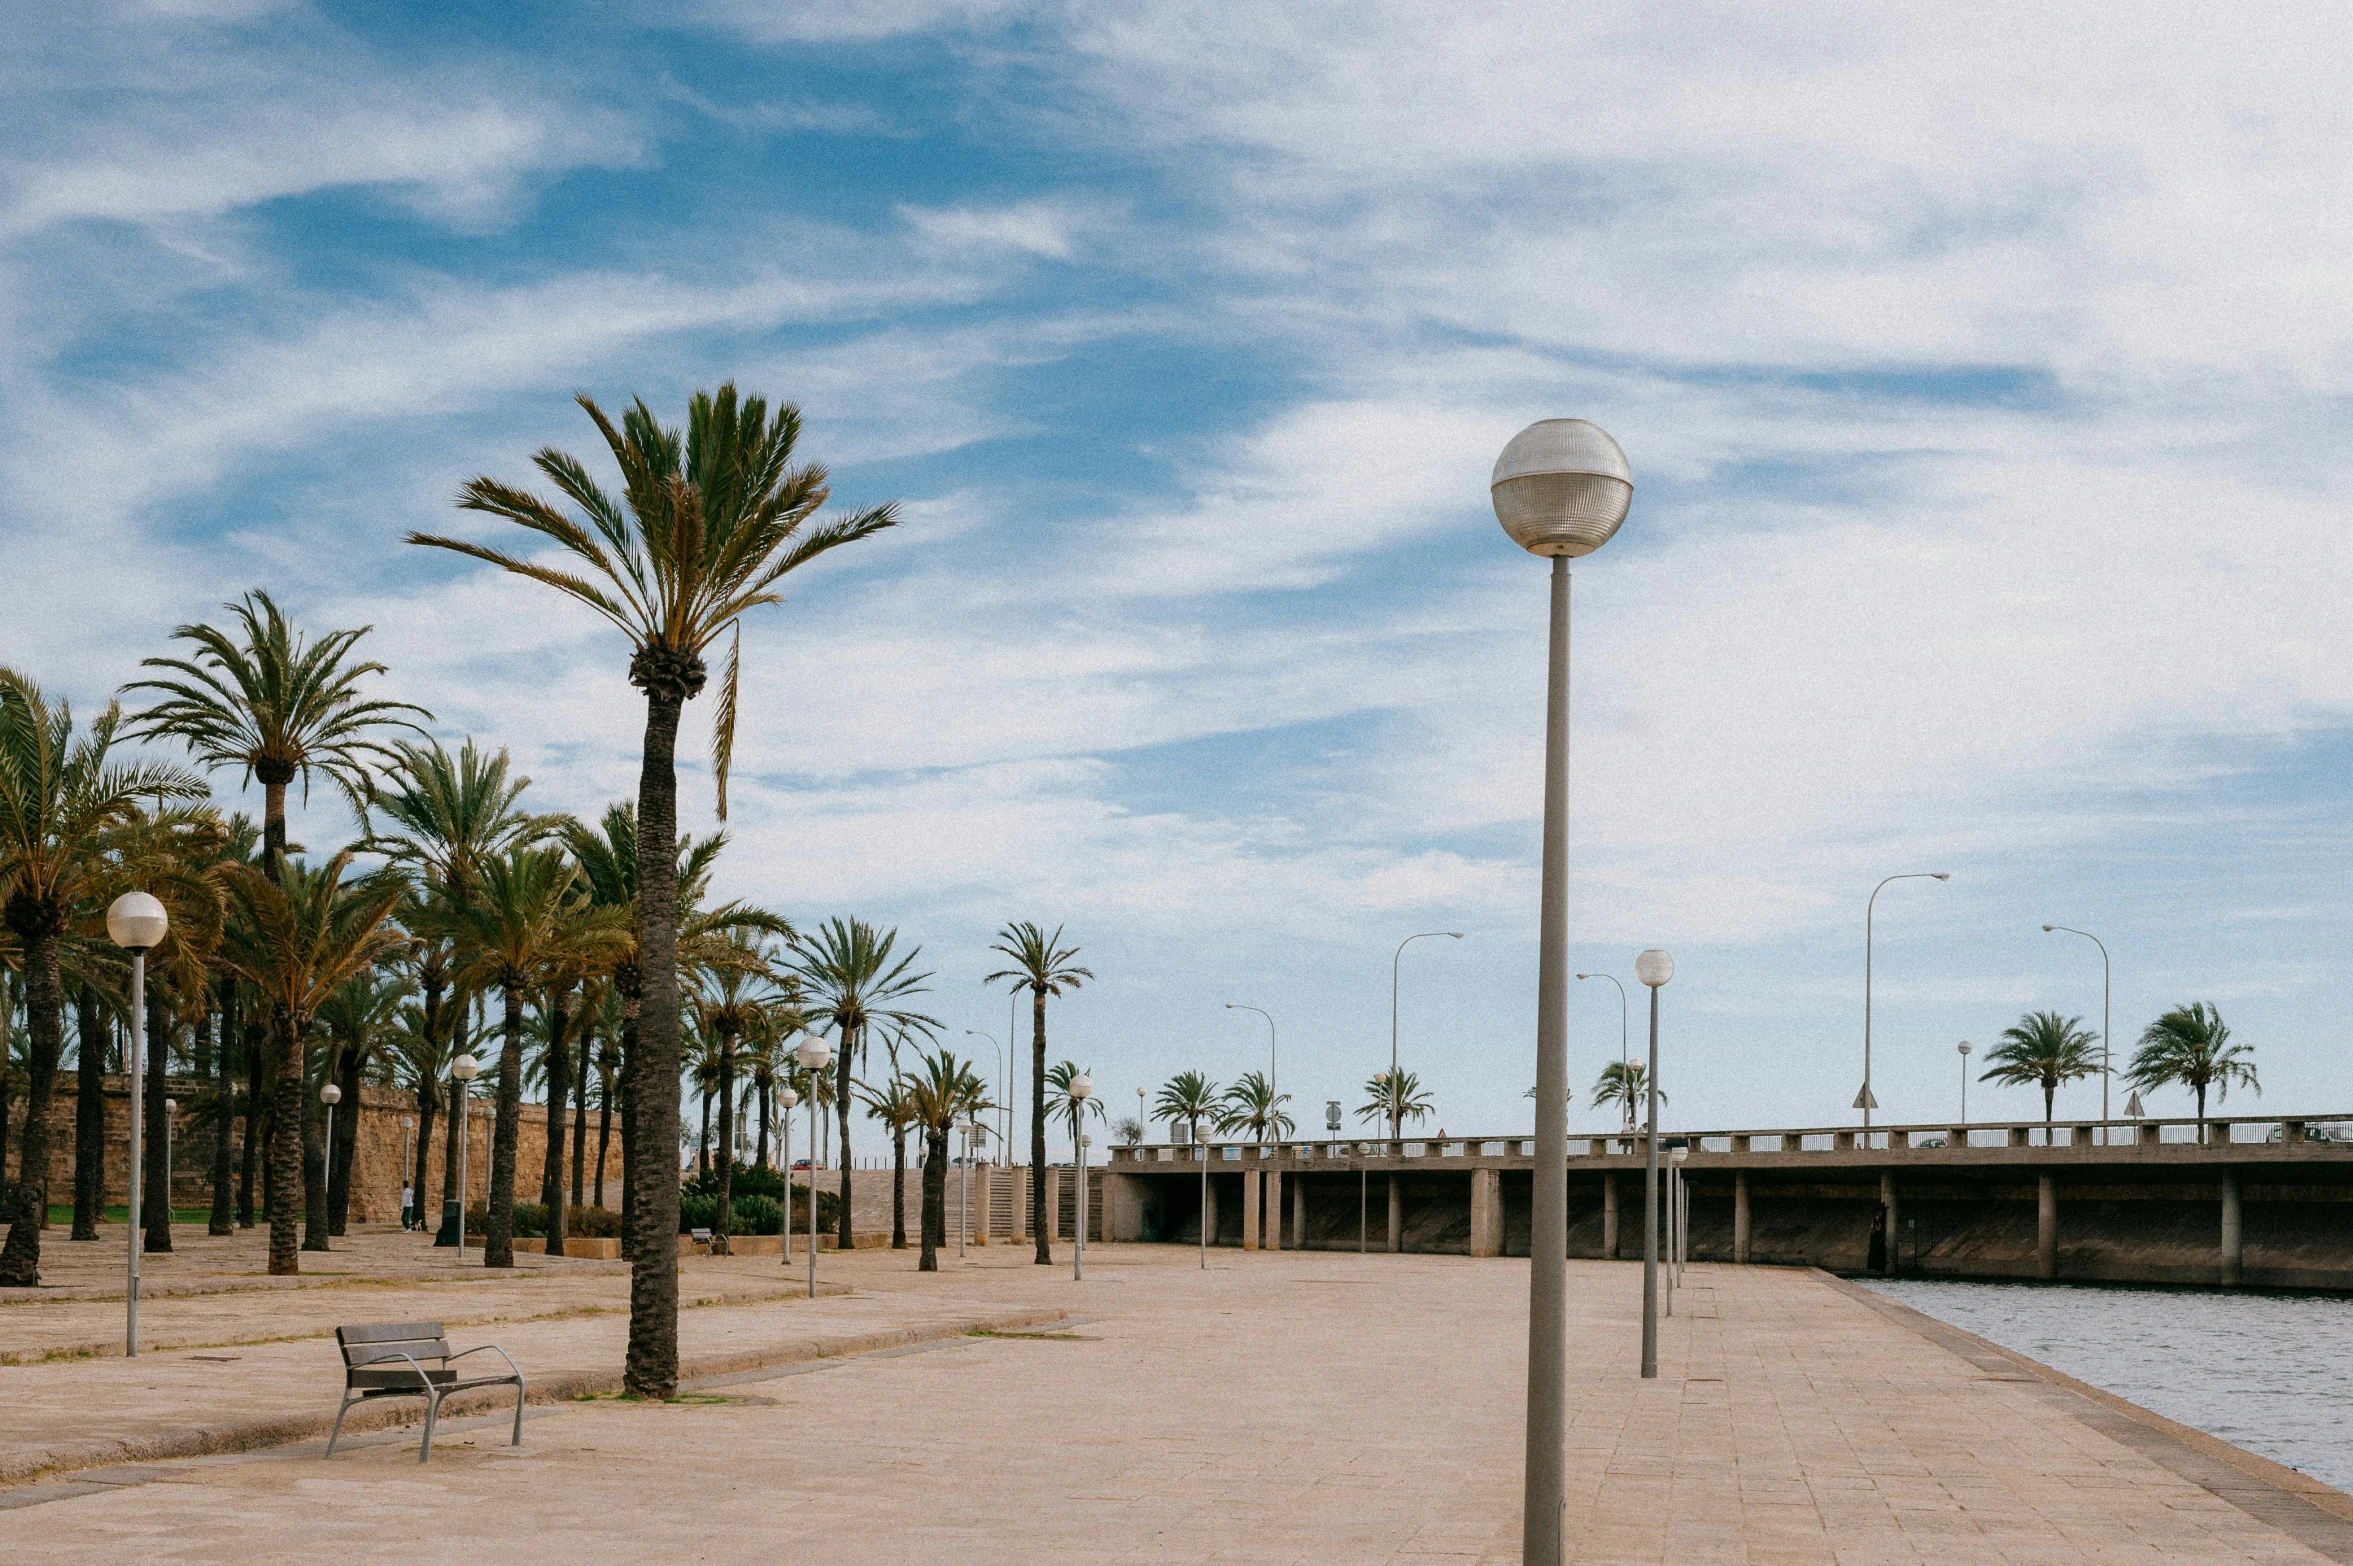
{"x": 1983, "y": 374}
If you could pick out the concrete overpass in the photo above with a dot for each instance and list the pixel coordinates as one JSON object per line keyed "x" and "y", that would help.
{"x": 2232, "y": 1200}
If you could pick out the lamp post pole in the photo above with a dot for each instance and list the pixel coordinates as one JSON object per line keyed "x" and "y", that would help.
{"x": 1560, "y": 489}
{"x": 136, "y": 922}
{"x": 786, "y": 1099}
{"x": 407, "y": 1125}
{"x": 1395, "y": 1127}
{"x": 1270, "y": 1065}
{"x": 2104, "y": 1060}
{"x": 1654, "y": 968}
{"x": 1082, "y": 1088}
{"x": 1965, "y": 1048}
{"x": 171, "y": 1107}
{"x": 1626, "y": 1097}
{"x": 330, "y": 1095}
{"x": 462, "y": 1071}
{"x": 964, "y": 1201}
{"x": 814, "y": 1055}
{"x": 1004, "y": 1054}
{"x": 1863, "y": 1100}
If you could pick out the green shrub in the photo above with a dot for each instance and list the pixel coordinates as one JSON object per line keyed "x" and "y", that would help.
{"x": 750, "y": 1180}
{"x": 755, "y": 1215}
{"x": 697, "y": 1211}
{"x": 592, "y": 1223}
{"x": 530, "y": 1221}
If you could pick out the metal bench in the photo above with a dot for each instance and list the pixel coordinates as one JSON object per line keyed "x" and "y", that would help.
{"x": 391, "y": 1360}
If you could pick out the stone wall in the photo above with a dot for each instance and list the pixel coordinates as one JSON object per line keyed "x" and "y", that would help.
{"x": 377, "y": 1160}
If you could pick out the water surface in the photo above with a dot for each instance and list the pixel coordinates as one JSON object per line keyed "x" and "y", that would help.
{"x": 2271, "y": 1373}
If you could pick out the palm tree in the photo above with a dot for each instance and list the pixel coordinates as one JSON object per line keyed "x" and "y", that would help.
{"x": 1073, "y": 1111}
{"x": 706, "y": 526}
{"x": 276, "y": 705}
{"x": 1254, "y": 1106}
{"x": 2043, "y": 1050}
{"x": 890, "y": 1104}
{"x": 64, "y": 808}
{"x": 1394, "y": 1102}
{"x": 1041, "y": 965}
{"x": 528, "y": 916}
{"x": 942, "y": 1091}
{"x": 361, "y": 1018}
{"x": 1188, "y": 1096}
{"x": 853, "y": 986}
{"x": 298, "y": 936}
{"x": 2191, "y": 1046}
{"x": 737, "y": 991}
{"x": 1626, "y": 1083}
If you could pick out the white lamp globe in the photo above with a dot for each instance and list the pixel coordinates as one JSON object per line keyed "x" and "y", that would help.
{"x": 814, "y": 1053}
{"x": 171, "y": 1106}
{"x": 465, "y": 1068}
{"x": 788, "y": 1098}
{"x": 1654, "y": 967}
{"x": 330, "y": 1094}
{"x": 1561, "y": 487}
{"x": 136, "y": 921}
{"x": 1082, "y": 1086}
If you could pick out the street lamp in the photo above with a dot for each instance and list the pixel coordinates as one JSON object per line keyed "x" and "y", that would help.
{"x": 1396, "y": 1127}
{"x": 1270, "y": 1065}
{"x": 1004, "y": 1054}
{"x": 171, "y": 1108}
{"x": 1082, "y": 1088}
{"x": 815, "y": 1055}
{"x": 2103, "y": 946}
{"x": 1560, "y": 488}
{"x": 1965, "y": 1048}
{"x": 1654, "y": 968}
{"x": 1863, "y": 1100}
{"x": 136, "y": 922}
{"x": 1675, "y": 1157}
{"x": 462, "y": 1071}
{"x": 407, "y": 1192}
{"x": 330, "y": 1095}
{"x": 1625, "y": 1094}
{"x": 786, "y": 1098}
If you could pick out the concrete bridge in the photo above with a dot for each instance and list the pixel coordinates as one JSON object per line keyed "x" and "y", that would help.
{"x": 2227, "y": 1201}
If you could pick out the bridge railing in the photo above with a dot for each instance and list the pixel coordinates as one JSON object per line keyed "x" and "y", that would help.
{"x": 2214, "y": 1130}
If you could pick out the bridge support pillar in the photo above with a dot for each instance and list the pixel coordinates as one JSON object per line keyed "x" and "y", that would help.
{"x": 2046, "y": 1226}
{"x": 1396, "y": 1214}
{"x": 1209, "y": 1211}
{"x": 1299, "y": 1215}
{"x": 1486, "y": 1213}
{"x": 1273, "y": 1231}
{"x": 1893, "y": 1248}
{"x": 1740, "y": 1215}
{"x": 2233, "y": 1251}
{"x": 1609, "y": 1216}
{"x": 1253, "y": 1183}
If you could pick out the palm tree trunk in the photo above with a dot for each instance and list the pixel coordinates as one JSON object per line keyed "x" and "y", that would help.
{"x": 315, "y": 1213}
{"x": 498, "y": 1228}
{"x": 20, "y": 1257}
{"x": 898, "y": 1188}
{"x": 222, "y": 1219}
{"x": 155, "y": 1206}
{"x": 450, "y": 1135}
{"x": 626, "y": 981}
{"x": 841, "y": 1104}
{"x": 428, "y": 1106}
{"x": 249, "y": 1154}
{"x": 935, "y": 1196}
{"x": 651, "y": 1369}
{"x": 273, "y": 816}
{"x": 702, "y": 1146}
{"x": 763, "y": 1158}
{"x": 604, "y": 1132}
{"x": 286, "y": 1145}
{"x": 559, "y": 1088}
{"x": 346, "y": 1145}
{"x": 580, "y": 1069}
{"x": 720, "y": 1217}
{"x": 1037, "y": 1128}
{"x": 89, "y": 1116}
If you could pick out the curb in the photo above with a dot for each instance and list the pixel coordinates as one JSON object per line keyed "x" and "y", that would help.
{"x": 557, "y": 1386}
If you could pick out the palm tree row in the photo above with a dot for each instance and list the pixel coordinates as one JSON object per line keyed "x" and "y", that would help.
{"x": 2189, "y": 1046}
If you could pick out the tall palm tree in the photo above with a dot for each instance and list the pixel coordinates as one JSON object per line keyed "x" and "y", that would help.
{"x": 1254, "y": 1106}
{"x": 528, "y": 915}
{"x": 1042, "y": 965}
{"x": 65, "y": 807}
{"x": 276, "y": 704}
{"x": 854, "y": 987}
{"x": 1188, "y": 1096}
{"x": 890, "y": 1104}
{"x": 706, "y": 526}
{"x": 362, "y": 1020}
{"x": 2042, "y": 1050}
{"x": 1624, "y": 1083}
{"x": 939, "y": 1092}
{"x": 1394, "y": 1101}
{"x": 2191, "y": 1045}
{"x": 297, "y": 936}
{"x": 737, "y": 990}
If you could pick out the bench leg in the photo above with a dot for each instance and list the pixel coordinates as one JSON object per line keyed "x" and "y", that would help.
{"x": 335, "y": 1433}
{"x": 432, "y": 1411}
{"x": 518, "y": 1441}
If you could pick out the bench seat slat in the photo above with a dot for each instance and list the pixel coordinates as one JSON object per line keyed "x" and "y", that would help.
{"x": 391, "y": 1332}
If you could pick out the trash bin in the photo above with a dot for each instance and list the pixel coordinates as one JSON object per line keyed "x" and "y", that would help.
{"x": 448, "y": 1234}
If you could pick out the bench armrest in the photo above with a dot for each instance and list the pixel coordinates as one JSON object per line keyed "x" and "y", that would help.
{"x": 490, "y": 1348}
{"x": 423, "y": 1380}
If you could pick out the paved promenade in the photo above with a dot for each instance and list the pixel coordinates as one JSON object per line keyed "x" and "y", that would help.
{"x": 1279, "y": 1407}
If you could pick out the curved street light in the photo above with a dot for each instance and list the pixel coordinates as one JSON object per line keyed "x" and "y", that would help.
{"x": 1863, "y": 1100}
{"x": 1270, "y": 1064}
{"x": 1396, "y": 1127}
{"x": 2104, "y": 1060}
{"x": 1625, "y": 1097}
{"x": 1561, "y": 487}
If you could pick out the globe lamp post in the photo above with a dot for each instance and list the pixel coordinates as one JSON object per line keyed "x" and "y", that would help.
{"x": 463, "y": 1071}
{"x": 137, "y": 923}
{"x": 1654, "y": 968}
{"x": 814, "y": 1055}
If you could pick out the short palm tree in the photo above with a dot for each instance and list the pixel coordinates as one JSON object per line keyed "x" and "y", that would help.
{"x": 939, "y": 1092}
{"x": 1626, "y": 1083}
{"x": 1190, "y": 1097}
{"x": 361, "y": 1021}
{"x": 2043, "y": 1050}
{"x": 66, "y": 806}
{"x": 267, "y": 699}
{"x": 2191, "y": 1045}
{"x": 733, "y": 1000}
{"x": 297, "y": 937}
{"x": 706, "y": 526}
{"x": 853, "y": 985}
{"x": 1041, "y": 965}
{"x": 1392, "y": 1101}
{"x": 890, "y": 1104}
{"x": 1254, "y": 1106}
{"x": 527, "y": 916}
